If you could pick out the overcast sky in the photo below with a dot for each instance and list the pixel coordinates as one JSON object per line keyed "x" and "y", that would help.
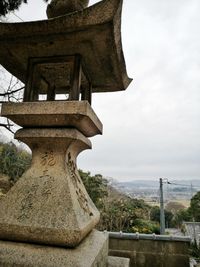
{"x": 152, "y": 129}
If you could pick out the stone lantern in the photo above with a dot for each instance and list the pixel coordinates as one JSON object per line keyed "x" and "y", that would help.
{"x": 74, "y": 53}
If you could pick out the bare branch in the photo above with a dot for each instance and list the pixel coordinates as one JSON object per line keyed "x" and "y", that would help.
{"x": 7, "y": 126}
{"x": 17, "y": 99}
{"x": 8, "y": 93}
{"x": 12, "y": 93}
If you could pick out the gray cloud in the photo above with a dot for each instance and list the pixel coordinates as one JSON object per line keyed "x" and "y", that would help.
{"x": 152, "y": 129}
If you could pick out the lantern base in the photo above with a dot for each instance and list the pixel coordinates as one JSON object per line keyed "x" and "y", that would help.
{"x": 93, "y": 251}
{"x": 49, "y": 203}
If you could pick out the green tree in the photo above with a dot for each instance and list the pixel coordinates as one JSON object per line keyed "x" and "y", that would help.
{"x": 120, "y": 214}
{"x": 96, "y": 186}
{"x": 181, "y": 216}
{"x": 10, "y": 5}
{"x": 195, "y": 250}
{"x": 7, "y": 6}
{"x": 155, "y": 216}
{"x": 194, "y": 208}
{"x": 13, "y": 162}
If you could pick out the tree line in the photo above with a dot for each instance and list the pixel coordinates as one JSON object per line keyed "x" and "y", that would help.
{"x": 119, "y": 212}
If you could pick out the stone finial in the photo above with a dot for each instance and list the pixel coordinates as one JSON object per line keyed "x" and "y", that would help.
{"x": 62, "y": 7}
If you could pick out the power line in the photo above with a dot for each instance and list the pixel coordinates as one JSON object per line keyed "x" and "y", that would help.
{"x": 185, "y": 185}
{"x": 17, "y": 16}
{"x": 178, "y": 184}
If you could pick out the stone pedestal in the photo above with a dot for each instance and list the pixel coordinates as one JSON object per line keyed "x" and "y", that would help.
{"x": 92, "y": 252}
{"x": 49, "y": 204}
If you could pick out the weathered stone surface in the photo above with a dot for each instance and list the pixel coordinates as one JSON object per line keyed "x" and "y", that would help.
{"x": 5, "y": 184}
{"x": 63, "y": 7}
{"x": 118, "y": 262}
{"x": 77, "y": 114}
{"x": 49, "y": 203}
{"x": 91, "y": 252}
{"x": 94, "y": 33}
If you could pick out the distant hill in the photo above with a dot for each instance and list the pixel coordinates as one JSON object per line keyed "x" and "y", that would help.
{"x": 153, "y": 184}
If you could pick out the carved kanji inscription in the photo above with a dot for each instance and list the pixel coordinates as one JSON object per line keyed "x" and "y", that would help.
{"x": 82, "y": 199}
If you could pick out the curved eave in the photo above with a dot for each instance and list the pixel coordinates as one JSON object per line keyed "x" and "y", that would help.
{"x": 100, "y": 13}
{"x": 96, "y": 32}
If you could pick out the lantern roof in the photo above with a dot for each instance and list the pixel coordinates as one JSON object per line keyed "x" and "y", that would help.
{"x": 94, "y": 33}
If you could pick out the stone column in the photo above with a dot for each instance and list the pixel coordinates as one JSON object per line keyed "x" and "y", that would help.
{"x": 49, "y": 203}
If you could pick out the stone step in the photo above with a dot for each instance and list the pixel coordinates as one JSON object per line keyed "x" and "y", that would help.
{"x": 118, "y": 262}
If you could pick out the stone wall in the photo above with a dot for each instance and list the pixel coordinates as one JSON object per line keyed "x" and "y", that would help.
{"x": 150, "y": 250}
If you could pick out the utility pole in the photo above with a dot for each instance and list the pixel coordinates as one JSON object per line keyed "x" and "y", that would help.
{"x": 162, "y": 212}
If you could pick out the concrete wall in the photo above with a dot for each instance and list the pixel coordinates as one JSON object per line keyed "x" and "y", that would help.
{"x": 150, "y": 250}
